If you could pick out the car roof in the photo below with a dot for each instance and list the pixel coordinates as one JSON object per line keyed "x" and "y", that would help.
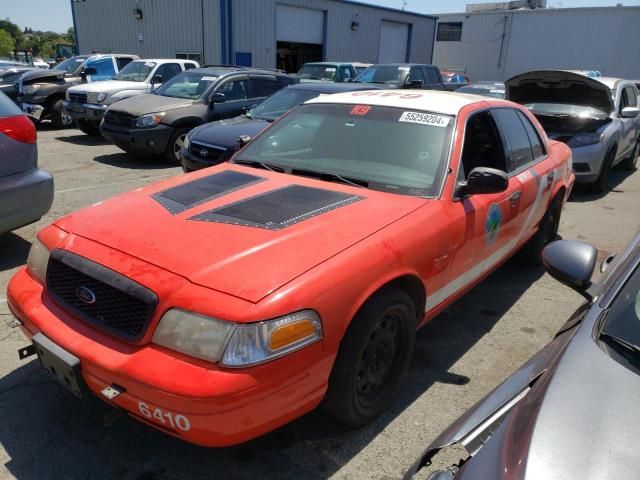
{"x": 327, "y": 63}
{"x": 158, "y": 60}
{"x": 610, "y": 82}
{"x": 329, "y": 87}
{"x": 402, "y": 65}
{"x": 223, "y": 70}
{"x": 448, "y": 103}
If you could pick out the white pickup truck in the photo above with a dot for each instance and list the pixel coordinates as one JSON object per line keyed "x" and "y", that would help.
{"x": 87, "y": 103}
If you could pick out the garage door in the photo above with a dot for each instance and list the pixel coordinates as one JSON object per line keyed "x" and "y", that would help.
{"x": 393, "y": 42}
{"x": 300, "y": 25}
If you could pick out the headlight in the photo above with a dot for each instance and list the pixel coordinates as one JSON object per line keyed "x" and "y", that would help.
{"x": 584, "y": 139}
{"x": 186, "y": 143}
{"x": 236, "y": 345}
{"x": 101, "y": 96}
{"x": 38, "y": 260}
{"x": 150, "y": 120}
{"x": 30, "y": 89}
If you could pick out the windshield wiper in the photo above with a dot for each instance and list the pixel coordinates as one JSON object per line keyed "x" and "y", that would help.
{"x": 356, "y": 182}
{"x": 629, "y": 347}
{"x": 257, "y": 164}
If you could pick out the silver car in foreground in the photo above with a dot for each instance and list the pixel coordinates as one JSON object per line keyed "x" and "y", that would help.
{"x": 571, "y": 412}
{"x": 26, "y": 192}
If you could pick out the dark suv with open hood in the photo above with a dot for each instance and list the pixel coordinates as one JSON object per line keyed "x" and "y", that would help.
{"x": 597, "y": 117}
{"x": 157, "y": 123}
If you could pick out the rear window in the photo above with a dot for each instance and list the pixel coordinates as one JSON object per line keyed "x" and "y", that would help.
{"x": 7, "y": 107}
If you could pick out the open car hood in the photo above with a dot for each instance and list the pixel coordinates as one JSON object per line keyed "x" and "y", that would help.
{"x": 558, "y": 86}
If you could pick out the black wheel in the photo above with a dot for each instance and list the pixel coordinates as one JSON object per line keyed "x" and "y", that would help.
{"x": 172, "y": 154}
{"x": 600, "y": 185}
{"x": 631, "y": 161}
{"x": 374, "y": 356}
{"x": 58, "y": 117}
{"x": 90, "y": 128}
{"x": 547, "y": 232}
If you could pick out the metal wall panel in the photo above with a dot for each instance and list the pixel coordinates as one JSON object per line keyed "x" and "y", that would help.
{"x": 604, "y": 39}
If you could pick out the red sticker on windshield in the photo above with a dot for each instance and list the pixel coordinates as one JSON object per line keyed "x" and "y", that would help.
{"x": 360, "y": 110}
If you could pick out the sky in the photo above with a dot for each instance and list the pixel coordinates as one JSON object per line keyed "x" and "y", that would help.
{"x": 55, "y": 15}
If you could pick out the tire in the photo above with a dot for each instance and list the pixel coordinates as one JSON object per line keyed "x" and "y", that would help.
{"x": 89, "y": 128}
{"x": 547, "y": 232}
{"x": 57, "y": 115}
{"x": 374, "y": 355}
{"x": 172, "y": 153}
{"x": 600, "y": 185}
{"x": 631, "y": 161}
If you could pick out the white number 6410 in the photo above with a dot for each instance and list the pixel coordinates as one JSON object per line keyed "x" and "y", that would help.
{"x": 179, "y": 422}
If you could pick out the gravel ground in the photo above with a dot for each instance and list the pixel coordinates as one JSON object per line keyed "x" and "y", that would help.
{"x": 459, "y": 357}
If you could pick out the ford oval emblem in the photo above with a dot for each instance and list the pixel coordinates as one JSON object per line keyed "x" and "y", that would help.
{"x": 204, "y": 152}
{"x": 86, "y": 295}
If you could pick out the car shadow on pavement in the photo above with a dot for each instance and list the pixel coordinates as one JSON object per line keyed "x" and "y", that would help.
{"x": 49, "y": 433}
{"x": 582, "y": 193}
{"x": 125, "y": 160}
{"x": 83, "y": 139}
{"x": 14, "y": 251}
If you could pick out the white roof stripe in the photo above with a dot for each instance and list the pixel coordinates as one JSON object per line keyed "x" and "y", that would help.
{"x": 448, "y": 103}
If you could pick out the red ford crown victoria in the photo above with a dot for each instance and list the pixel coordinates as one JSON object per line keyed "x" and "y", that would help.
{"x": 220, "y": 305}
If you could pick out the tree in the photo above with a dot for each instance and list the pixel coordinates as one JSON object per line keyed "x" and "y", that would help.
{"x": 6, "y": 43}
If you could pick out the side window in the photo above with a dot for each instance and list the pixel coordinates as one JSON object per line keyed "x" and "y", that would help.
{"x": 234, "y": 89}
{"x": 482, "y": 145}
{"x": 632, "y": 97}
{"x": 168, "y": 70}
{"x": 431, "y": 76}
{"x": 123, "y": 62}
{"x": 189, "y": 66}
{"x": 516, "y": 137}
{"x": 346, "y": 73}
{"x": 104, "y": 68}
{"x": 414, "y": 75}
{"x": 263, "y": 86}
{"x": 534, "y": 138}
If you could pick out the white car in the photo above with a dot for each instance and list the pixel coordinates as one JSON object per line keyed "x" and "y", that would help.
{"x": 87, "y": 103}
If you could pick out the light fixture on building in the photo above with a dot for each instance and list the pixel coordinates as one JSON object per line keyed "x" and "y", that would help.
{"x": 137, "y": 13}
{"x": 355, "y": 24}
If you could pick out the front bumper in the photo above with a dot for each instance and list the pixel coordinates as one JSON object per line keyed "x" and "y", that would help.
{"x": 222, "y": 406}
{"x": 24, "y": 198}
{"x": 191, "y": 162}
{"x": 143, "y": 141}
{"x": 587, "y": 162}
{"x": 85, "y": 111}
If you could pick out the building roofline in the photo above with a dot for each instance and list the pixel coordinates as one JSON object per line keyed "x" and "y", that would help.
{"x": 387, "y": 9}
{"x": 538, "y": 10}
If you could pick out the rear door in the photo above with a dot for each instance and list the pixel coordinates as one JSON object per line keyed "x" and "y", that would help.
{"x": 261, "y": 87}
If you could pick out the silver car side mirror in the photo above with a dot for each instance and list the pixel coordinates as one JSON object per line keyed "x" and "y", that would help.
{"x": 630, "y": 112}
{"x": 571, "y": 263}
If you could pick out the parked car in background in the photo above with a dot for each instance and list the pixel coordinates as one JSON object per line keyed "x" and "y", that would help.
{"x": 486, "y": 89}
{"x": 403, "y": 75}
{"x": 157, "y": 123}
{"x": 597, "y": 117}
{"x": 41, "y": 93}
{"x": 26, "y": 192}
{"x": 454, "y": 80}
{"x": 571, "y": 411}
{"x": 327, "y": 72}
{"x": 215, "y": 142}
{"x": 39, "y": 63}
{"x": 86, "y": 103}
{"x": 296, "y": 274}
{"x": 4, "y": 64}
{"x": 9, "y": 81}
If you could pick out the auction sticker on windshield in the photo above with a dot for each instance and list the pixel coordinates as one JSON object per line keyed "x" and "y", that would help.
{"x": 425, "y": 119}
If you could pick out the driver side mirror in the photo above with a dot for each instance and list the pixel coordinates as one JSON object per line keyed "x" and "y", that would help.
{"x": 156, "y": 79}
{"x": 571, "y": 263}
{"x": 630, "y": 112}
{"x": 483, "y": 180}
{"x": 218, "y": 98}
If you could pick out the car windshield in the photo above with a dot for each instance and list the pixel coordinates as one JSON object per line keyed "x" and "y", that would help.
{"x": 486, "y": 92}
{"x": 318, "y": 72}
{"x": 69, "y": 65}
{"x": 135, "y": 71}
{"x": 191, "y": 85}
{"x": 622, "y": 321}
{"x": 566, "y": 110}
{"x": 280, "y": 103}
{"x": 382, "y": 148}
{"x": 388, "y": 74}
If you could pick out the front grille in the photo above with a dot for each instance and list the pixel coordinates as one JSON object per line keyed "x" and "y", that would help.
{"x": 208, "y": 153}
{"x": 119, "y": 119}
{"x": 78, "y": 97}
{"x": 100, "y": 296}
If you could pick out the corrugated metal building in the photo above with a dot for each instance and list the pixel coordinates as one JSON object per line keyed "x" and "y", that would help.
{"x": 265, "y": 33}
{"x": 496, "y": 45}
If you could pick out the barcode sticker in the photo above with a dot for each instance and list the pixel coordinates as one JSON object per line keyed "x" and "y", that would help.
{"x": 425, "y": 119}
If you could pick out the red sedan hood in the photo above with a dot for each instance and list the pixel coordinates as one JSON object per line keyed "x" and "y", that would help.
{"x": 234, "y": 253}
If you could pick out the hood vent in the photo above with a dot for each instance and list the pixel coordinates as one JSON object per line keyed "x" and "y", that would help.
{"x": 279, "y": 209}
{"x": 191, "y": 194}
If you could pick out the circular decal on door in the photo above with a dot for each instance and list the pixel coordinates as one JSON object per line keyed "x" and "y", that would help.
{"x": 492, "y": 225}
